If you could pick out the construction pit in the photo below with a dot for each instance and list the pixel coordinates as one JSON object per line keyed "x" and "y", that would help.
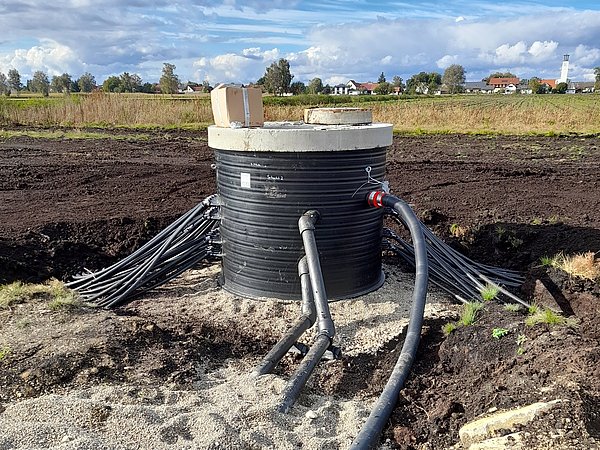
{"x": 181, "y": 356}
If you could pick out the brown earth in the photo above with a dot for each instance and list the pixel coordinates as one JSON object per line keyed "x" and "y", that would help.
{"x": 68, "y": 204}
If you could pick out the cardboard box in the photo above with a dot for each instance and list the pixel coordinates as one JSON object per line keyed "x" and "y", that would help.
{"x": 237, "y": 107}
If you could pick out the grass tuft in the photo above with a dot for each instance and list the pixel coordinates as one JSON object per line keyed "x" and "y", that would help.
{"x": 470, "y": 311}
{"x": 60, "y": 297}
{"x": 548, "y": 317}
{"x": 489, "y": 292}
{"x": 512, "y": 307}
{"x": 581, "y": 265}
{"x": 449, "y": 328}
{"x": 17, "y": 292}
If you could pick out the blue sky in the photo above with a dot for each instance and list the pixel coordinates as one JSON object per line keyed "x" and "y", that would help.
{"x": 233, "y": 41}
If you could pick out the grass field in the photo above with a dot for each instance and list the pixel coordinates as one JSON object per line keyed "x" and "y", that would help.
{"x": 478, "y": 114}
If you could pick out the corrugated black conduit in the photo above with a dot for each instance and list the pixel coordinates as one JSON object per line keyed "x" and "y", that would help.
{"x": 451, "y": 271}
{"x": 326, "y": 329}
{"x": 302, "y": 323}
{"x": 371, "y": 430}
{"x": 180, "y": 246}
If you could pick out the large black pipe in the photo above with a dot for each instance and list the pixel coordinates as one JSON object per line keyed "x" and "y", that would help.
{"x": 326, "y": 329}
{"x": 302, "y": 323}
{"x": 371, "y": 430}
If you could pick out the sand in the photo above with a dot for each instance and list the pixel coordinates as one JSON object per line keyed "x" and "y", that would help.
{"x": 226, "y": 408}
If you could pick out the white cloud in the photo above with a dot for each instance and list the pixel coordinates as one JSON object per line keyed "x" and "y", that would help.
{"x": 586, "y": 56}
{"x": 386, "y": 60}
{"x": 543, "y": 50}
{"x": 447, "y": 60}
{"x": 50, "y": 57}
{"x": 235, "y": 68}
{"x": 508, "y": 54}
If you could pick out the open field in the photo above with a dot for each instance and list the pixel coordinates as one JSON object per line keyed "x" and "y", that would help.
{"x": 478, "y": 114}
{"x": 170, "y": 370}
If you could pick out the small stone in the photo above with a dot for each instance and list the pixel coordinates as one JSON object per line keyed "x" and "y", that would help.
{"x": 493, "y": 409}
{"x": 26, "y": 374}
{"x": 65, "y": 438}
{"x": 310, "y": 414}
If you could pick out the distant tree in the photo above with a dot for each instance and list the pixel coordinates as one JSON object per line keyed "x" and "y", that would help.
{"x": 14, "y": 81}
{"x": 277, "y": 78}
{"x": 297, "y": 88}
{"x": 326, "y": 90}
{"x": 534, "y": 84}
{"x": 561, "y": 88}
{"x": 112, "y": 84}
{"x": 397, "y": 83}
{"x": 499, "y": 75}
{"x": 40, "y": 83}
{"x": 169, "y": 81}
{"x": 424, "y": 83}
{"x": 4, "y": 90}
{"x": 147, "y": 88}
{"x": 206, "y": 87}
{"x": 132, "y": 83}
{"x": 315, "y": 86}
{"x": 597, "y": 83}
{"x": 61, "y": 83}
{"x": 435, "y": 81}
{"x": 86, "y": 82}
{"x": 383, "y": 88}
{"x": 381, "y": 78}
{"x": 74, "y": 86}
{"x": 454, "y": 78}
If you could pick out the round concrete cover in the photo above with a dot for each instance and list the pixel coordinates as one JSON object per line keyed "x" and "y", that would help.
{"x": 300, "y": 137}
{"x": 338, "y": 116}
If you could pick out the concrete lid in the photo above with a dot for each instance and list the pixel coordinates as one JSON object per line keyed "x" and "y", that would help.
{"x": 338, "y": 116}
{"x": 300, "y": 137}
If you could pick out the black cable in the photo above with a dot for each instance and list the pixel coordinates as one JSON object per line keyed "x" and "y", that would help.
{"x": 178, "y": 247}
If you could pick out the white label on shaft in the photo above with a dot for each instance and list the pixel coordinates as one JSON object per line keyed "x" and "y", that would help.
{"x": 245, "y": 180}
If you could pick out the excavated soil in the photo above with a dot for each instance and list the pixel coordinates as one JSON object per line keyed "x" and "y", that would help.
{"x": 68, "y": 204}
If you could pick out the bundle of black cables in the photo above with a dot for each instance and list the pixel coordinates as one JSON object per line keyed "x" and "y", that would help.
{"x": 180, "y": 246}
{"x": 452, "y": 271}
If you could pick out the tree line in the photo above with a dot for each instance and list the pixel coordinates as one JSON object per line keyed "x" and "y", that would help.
{"x": 278, "y": 78}
{"x": 41, "y": 83}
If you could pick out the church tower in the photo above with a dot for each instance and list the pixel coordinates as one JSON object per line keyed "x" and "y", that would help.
{"x": 564, "y": 70}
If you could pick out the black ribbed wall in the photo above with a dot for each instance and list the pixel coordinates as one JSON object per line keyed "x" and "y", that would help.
{"x": 262, "y": 196}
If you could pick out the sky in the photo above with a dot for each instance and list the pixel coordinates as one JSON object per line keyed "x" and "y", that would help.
{"x": 234, "y": 41}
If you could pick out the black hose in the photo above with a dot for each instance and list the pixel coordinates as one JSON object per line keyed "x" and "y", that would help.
{"x": 302, "y": 323}
{"x": 371, "y": 430}
{"x": 326, "y": 329}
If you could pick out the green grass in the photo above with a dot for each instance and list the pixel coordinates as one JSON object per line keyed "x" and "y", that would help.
{"x": 4, "y": 352}
{"x": 17, "y": 292}
{"x": 62, "y": 297}
{"x": 489, "y": 292}
{"x": 449, "y": 328}
{"x": 57, "y": 294}
{"x": 512, "y": 307}
{"x": 548, "y": 317}
{"x": 470, "y": 312}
